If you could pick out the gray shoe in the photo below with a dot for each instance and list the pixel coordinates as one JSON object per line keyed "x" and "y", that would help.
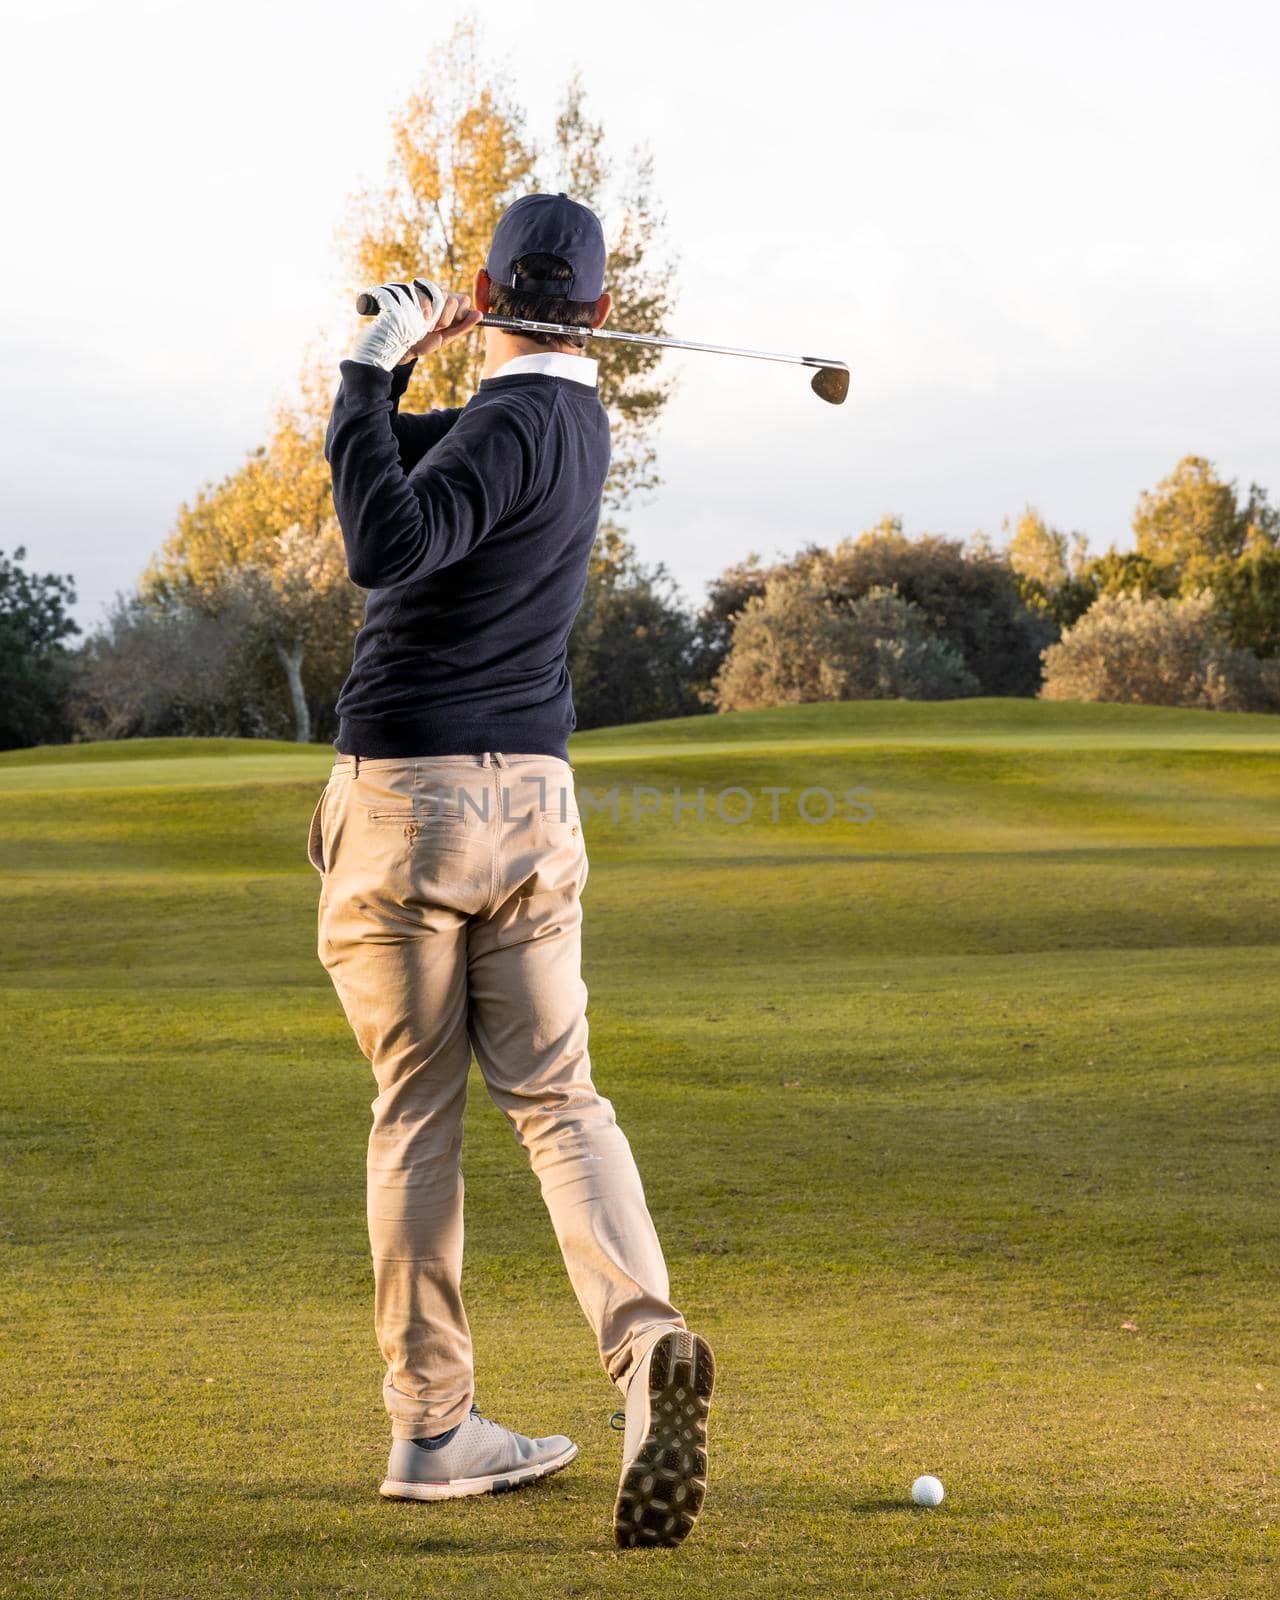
{"x": 664, "y": 1446}
{"x": 482, "y": 1458}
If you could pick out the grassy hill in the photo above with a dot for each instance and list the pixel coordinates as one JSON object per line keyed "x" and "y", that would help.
{"x": 928, "y": 1106}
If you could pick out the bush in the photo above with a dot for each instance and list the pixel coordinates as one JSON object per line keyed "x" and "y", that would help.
{"x": 150, "y": 673}
{"x": 795, "y": 644}
{"x": 969, "y": 600}
{"x": 1149, "y": 650}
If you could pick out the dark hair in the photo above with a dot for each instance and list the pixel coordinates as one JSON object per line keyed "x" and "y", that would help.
{"x": 505, "y": 301}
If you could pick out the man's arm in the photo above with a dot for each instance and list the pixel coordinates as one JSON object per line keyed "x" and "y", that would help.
{"x": 415, "y": 431}
{"x": 398, "y": 526}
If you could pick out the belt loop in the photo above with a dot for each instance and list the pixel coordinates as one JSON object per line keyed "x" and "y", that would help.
{"x": 484, "y": 758}
{"x": 499, "y": 760}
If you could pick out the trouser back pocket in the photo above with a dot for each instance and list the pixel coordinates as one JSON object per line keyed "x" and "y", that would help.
{"x": 315, "y": 836}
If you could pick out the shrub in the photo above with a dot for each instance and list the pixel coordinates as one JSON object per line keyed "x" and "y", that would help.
{"x": 969, "y": 600}
{"x": 795, "y": 643}
{"x": 1149, "y": 650}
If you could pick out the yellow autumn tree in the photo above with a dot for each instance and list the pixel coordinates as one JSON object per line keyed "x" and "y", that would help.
{"x": 460, "y": 155}
{"x": 1037, "y": 551}
{"x": 1190, "y": 520}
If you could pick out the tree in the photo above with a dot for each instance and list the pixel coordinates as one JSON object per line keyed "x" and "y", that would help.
{"x": 1148, "y": 650}
{"x": 266, "y": 541}
{"x": 155, "y": 670}
{"x": 1117, "y": 572}
{"x": 300, "y": 599}
{"x": 1247, "y": 595}
{"x": 1191, "y": 520}
{"x": 461, "y": 155}
{"x": 1038, "y": 552}
{"x": 727, "y": 595}
{"x": 1050, "y": 581}
{"x": 631, "y": 646}
{"x": 796, "y": 644}
{"x": 969, "y": 599}
{"x": 1194, "y": 531}
{"x": 35, "y": 665}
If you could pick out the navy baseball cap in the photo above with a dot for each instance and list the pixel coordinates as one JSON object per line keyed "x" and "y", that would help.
{"x": 553, "y": 225}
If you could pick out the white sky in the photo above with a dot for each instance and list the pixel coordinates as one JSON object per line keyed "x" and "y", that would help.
{"x": 1045, "y": 238}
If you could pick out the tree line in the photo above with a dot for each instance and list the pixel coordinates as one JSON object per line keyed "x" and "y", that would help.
{"x": 1189, "y": 616}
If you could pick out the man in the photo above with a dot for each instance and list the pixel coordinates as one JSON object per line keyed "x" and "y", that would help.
{"x": 452, "y": 858}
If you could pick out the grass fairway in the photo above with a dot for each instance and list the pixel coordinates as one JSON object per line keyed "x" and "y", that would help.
{"x": 959, "y": 1126}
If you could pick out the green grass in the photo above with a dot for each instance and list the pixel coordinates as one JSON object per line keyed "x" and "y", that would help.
{"x": 928, "y": 1108}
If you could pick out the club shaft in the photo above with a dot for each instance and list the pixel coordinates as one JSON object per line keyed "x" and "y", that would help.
{"x": 523, "y": 325}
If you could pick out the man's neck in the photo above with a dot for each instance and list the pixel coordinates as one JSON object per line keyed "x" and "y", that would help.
{"x": 502, "y": 347}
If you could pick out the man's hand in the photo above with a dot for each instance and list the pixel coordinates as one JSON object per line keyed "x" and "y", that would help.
{"x": 414, "y": 320}
{"x": 453, "y": 321}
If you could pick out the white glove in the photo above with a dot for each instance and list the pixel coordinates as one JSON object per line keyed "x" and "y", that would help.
{"x": 399, "y": 325}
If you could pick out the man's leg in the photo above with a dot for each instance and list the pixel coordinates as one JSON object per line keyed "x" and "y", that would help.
{"x": 529, "y": 1029}
{"x": 398, "y": 962}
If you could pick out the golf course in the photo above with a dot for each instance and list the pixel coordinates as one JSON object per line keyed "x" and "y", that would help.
{"x": 957, "y": 1113}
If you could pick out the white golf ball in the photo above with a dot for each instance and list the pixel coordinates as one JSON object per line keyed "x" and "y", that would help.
{"x": 927, "y": 1491}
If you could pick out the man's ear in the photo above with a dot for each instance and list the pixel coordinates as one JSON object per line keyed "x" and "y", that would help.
{"x": 604, "y": 305}
{"x": 480, "y": 294}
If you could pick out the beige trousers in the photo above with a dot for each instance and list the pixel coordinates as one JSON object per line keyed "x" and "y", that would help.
{"x": 450, "y": 922}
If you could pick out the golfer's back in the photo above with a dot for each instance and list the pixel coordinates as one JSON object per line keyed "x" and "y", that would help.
{"x": 472, "y": 528}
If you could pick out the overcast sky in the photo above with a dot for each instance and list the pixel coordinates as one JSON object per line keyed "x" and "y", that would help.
{"x": 1045, "y": 238}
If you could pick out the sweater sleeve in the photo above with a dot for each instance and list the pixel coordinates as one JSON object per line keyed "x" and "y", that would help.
{"x": 416, "y": 431}
{"x": 399, "y": 526}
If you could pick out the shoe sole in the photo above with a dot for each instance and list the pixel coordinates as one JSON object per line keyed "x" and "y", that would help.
{"x": 661, "y": 1492}
{"x": 456, "y": 1488}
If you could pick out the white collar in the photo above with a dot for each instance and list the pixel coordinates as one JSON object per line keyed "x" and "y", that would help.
{"x": 559, "y": 363}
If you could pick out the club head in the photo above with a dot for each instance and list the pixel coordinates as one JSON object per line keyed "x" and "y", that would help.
{"x": 831, "y": 384}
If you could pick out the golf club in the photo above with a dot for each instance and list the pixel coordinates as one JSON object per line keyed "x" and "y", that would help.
{"x": 830, "y": 382}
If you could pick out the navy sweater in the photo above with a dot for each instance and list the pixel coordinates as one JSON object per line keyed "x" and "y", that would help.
{"x": 472, "y": 527}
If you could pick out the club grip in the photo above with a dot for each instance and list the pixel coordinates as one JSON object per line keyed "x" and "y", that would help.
{"x": 367, "y": 304}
